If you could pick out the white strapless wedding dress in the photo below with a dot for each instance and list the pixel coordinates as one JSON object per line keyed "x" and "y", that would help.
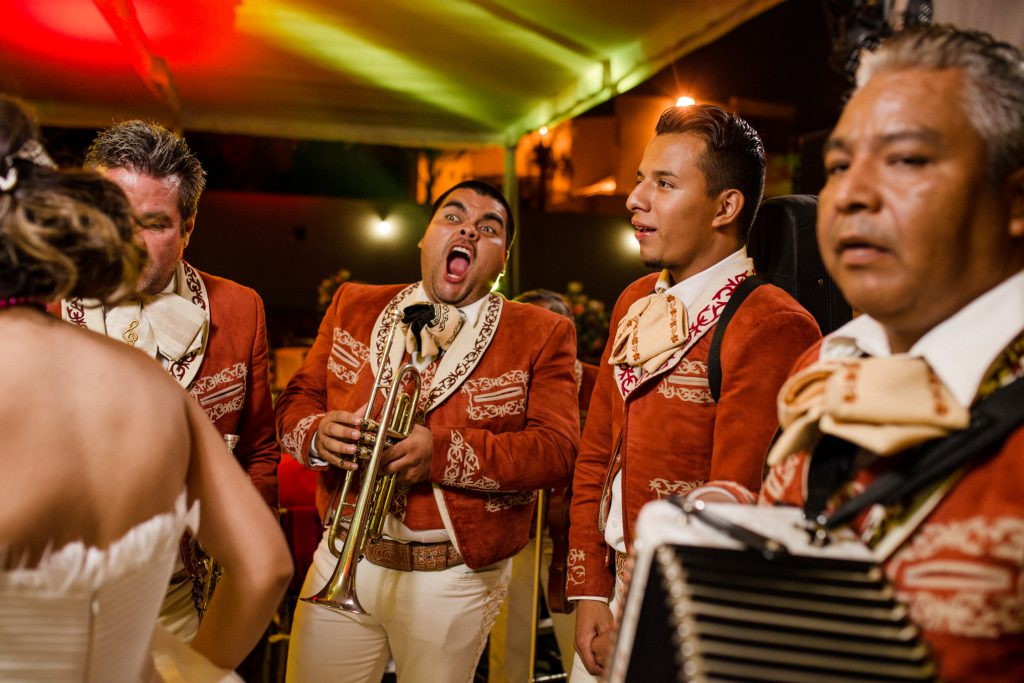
{"x": 85, "y": 614}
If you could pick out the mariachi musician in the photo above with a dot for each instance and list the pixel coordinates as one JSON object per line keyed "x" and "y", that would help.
{"x": 500, "y": 421}
{"x": 208, "y": 332}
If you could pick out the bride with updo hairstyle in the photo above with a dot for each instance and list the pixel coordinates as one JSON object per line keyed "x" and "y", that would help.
{"x": 62, "y": 233}
{"x": 105, "y": 460}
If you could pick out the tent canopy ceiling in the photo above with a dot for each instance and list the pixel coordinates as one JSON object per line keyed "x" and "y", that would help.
{"x": 418, "y": 73}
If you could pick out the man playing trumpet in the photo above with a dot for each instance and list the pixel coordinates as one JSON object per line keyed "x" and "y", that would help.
{"x": 500, "y": 420}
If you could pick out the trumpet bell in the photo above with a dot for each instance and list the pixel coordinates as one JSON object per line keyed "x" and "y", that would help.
{"x": 347, "y": 602}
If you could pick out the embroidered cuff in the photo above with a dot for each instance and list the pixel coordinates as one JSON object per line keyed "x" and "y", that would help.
{"x": 735, "y": 492}
{"x": 293, "y": 441}
{"x": 462, "y": 465}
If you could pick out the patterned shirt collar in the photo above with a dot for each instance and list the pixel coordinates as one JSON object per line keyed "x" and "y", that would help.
{"x": 690, "y": 289}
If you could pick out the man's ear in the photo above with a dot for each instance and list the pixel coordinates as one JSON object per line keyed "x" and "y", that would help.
{"x": 730, "y": 205}
{"x": 187, "y": 229}
{"x": 1015, "y": 191}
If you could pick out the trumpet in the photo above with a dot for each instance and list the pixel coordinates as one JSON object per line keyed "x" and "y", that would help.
{"x": 376, "y": 490}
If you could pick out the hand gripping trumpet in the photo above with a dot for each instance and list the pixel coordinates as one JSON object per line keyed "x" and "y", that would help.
{"x": 375, "y": 491}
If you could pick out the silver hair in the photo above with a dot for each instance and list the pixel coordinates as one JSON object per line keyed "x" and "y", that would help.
{"x": 146, "y": 147}
{"x": 994, "y": 83}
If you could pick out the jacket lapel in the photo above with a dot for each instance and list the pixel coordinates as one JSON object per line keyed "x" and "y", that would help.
{"x": 456, "y": 364}
{"x": 703, "y": 314}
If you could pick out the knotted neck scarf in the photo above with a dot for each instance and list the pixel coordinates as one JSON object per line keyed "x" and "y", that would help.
{"x": 430, "y": 328}
{"x": 652, "y": 329}
{"x": 884, "y": 405}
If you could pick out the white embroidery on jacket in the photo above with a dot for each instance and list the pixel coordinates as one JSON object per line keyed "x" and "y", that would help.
{"x": 491, "y": 397}
{"x": 222, "y": 392}
{"x": 347, "y": 357}
{"x": 463, "y": 466}
{"x": 400, "y": 502}
{"x": 965, "y": 577}
{"x": 576, "y": 567}
{"x": 486, "y": 331}
{"x": 293, "y": 440}
{"x": 506, "y": 501}
{"x": 688, "y": 382}
{"x": 663, "y": 488}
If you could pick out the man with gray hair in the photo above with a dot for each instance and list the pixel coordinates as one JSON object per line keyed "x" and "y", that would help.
{"x": 921, "y": 223}
{"x": 208, "y": 332}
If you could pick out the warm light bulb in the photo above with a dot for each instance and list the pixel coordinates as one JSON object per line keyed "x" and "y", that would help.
{"x": 685, "y": 101}
{"x": 383, "y": 229}
{"x": 629, "y": 243}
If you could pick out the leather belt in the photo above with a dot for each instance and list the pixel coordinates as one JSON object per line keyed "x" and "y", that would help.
{"x": 413, "y": 556}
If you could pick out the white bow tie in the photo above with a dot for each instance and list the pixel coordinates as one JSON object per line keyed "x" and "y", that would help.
{"x": 165, "y": 325}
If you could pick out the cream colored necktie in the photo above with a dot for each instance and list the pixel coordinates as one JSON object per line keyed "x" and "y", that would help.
{"x": 884, "y": 405}
{"x": 430, "y": 328}
{"x": 652, "y": 329}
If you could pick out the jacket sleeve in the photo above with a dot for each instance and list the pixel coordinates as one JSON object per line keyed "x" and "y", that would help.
{"x": 587, "y": 571}
{"x": 786, "y": 482}
{"x": 257, "y": 450}
{"x": 304, "y": 401}
{"x": 758, "y": 352}
{"x": 541, "y": 454}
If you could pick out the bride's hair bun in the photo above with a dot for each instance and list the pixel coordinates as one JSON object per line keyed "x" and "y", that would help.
{"x": 63, "y": 233}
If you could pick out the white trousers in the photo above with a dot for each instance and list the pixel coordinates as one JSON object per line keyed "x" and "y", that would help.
{"x": 509, "y": 653}
{"x": 433, "y": 624}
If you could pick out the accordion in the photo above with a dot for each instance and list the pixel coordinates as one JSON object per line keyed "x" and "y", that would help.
{"x": 702, "y": 606}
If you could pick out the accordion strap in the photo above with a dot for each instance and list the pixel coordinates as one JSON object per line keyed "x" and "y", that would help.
{"x": 993, "y": 419}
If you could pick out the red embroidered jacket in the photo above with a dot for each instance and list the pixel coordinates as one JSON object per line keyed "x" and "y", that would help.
{"x": 670, "y": 434}
{"x": 233, "y": 383}
{"x": 508, "y": 426}
{"x": 961, "y": 571}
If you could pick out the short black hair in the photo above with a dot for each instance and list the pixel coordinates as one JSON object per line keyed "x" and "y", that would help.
{"x": 487, "y": 190}
{"x": 734, "y": 156}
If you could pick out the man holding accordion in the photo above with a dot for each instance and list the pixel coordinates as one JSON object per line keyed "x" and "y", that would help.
{"x": 904, "y": 425}
{"x": 496, "y": 419}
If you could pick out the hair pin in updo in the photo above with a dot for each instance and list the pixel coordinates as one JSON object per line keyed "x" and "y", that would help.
{"x": 31, "y": 151}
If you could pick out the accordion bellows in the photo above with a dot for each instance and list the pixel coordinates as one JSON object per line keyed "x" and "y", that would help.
{"x": 701, "y": 608}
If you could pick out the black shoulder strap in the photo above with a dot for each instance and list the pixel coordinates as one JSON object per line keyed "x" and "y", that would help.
{"x": 742, "y": 291}
{"x": 992, "y": 421}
